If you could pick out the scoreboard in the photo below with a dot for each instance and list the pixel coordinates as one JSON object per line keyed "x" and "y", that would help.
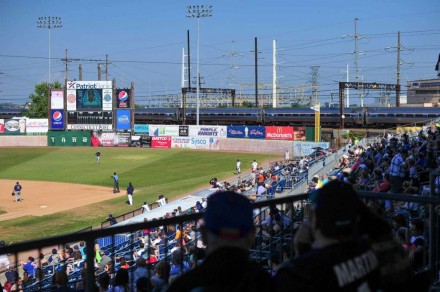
{"x": 89, "y": 105}
{"x": 78, "y": 120}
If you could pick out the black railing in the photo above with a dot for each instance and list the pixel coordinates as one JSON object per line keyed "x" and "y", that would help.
{"x": 268, "y": 237}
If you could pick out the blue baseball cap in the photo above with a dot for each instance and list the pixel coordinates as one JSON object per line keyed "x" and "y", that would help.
{"x": 229, "y": 215}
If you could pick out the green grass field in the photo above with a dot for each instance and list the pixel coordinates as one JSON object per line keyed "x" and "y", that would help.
{"x": 171, "y": 172}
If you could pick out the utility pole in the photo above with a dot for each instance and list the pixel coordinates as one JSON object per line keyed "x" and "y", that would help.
{"x": 99, "y": 72}
{"x": 348, "y": 89}
{"x": 233, "y": 54}
{"x": 106, "y": 67}
{"x": 399, "y": 48}
{"x": 189, "y": 59}
{"x": 80, "y": 72}
{"x": 66, "y": 60}
{"x": 356, "y": 60}
{"x": 274, "y": 73}
{"x": 256, "y": 74}
{"x": 398, "y": 71}
{"x": 315, "y": 86}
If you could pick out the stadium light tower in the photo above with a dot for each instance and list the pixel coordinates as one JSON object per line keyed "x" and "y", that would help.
{"x": 198, "y": 11}
{"x": 49, "y": 22}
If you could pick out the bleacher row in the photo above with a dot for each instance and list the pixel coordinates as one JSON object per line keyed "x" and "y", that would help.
{"x": 126, "y": 245}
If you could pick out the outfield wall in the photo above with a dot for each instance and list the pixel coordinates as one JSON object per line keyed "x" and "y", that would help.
{"x": 258, "y": 146}
{"x": 277, "y": 147}
{"x": 21, "y": 141}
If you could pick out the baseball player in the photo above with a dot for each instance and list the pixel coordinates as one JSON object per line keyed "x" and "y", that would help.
{"x": 17, "y": 192}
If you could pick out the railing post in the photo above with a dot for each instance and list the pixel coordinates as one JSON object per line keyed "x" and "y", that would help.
{"x": 434, "y": 260}
{"x": 90, "y": 261}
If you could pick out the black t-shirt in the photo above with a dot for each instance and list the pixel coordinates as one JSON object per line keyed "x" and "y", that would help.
{"x": 347, "y": 266}
{"x": 98, "y": 153}
{"x": 226, "y": 269}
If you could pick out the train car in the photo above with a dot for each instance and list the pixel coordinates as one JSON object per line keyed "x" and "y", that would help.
{"x": 330, "y": 117}
{"x": 157, "y": 116}
{"x": 225, "y": 116}
{"x": 10, "y": 113}
{"x": 391, "y": 116}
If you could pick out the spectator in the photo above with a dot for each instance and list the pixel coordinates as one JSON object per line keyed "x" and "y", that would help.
{"x": 333, "y": 225}
{"x": 111, "y": 219}
{"x": 141, "y": 270}
{"x": 398, "y": 171}
{"x": 103, "y": 282}
{"x": 143, "y": 285}
{"x": 61, "y": 279}
{"x": 30, "y": 266}
{"x": 121, "y": 281}
{"x": 161, "y": 275}
{"x": 145, "y": 207}
{"x": 228, "y": 233}
{"x": 4, "y": 260}
{"x": 105, "y": 259}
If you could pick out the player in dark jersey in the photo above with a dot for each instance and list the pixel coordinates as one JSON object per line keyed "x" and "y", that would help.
{"x": 98, "y": 157}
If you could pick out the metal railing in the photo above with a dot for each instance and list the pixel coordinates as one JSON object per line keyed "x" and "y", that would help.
{"x": 260, "y": 252}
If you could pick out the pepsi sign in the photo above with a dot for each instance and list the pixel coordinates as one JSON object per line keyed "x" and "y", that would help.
{"x": 123, "y": 98}
{"x": 57, "y": 119}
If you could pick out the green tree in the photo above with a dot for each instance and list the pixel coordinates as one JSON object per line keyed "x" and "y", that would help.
{"x": 39, "y": 99}
{"x": 247, "y": 104}
{"x": 297, "y": 105}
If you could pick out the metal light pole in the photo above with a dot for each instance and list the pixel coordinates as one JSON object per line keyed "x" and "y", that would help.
{"x": 198, "y": 11}
{"x": 49, "y": 22}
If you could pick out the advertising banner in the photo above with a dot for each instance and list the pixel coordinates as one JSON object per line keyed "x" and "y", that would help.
{"x": 306, "y": 148}
{"x": 107, "y": 101}
{"x": 57, "y": 99}
{"x": 123, "y": 98}
{"x": 181, "y": 142}
{"x": 183, "y": 131}
{"x": 299, "y": 133}
{"x": 13, "y": 126}
{"x": 57, "y": 119}
{"x": 71, "y": 100}
{"x": 110, "y": 139}
{"x": 210, "y": 143}
{"x": 37, "y": 125}
{"x": 2, "y": 126}
{"x": 72, "y": 138}
{"x": 89, "y": 95}
{"x": 163, "y": 130}
{"x": 279, "y": 133}
{"x": 160, "y": 142}
{"x": 411, "y": 129}
{"x": 208, "y": 131}
{"x": 246, "y": 132}
{"x": 123, "y": 119}
{"x": 90, "y": 127}
{"x": 141, "y": 128}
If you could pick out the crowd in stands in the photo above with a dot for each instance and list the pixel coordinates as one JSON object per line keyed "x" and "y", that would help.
{"x": 165, "y": 255}
{"x": 397, "y": 165}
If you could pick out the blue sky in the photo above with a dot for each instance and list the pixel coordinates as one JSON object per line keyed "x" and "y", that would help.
{"x": 144, "y": 42}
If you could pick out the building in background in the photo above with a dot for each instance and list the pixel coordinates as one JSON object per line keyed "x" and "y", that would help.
{"x": 423, "y": 93}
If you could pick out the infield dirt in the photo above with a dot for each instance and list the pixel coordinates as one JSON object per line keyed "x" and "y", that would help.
{"x": 43, "y": 198}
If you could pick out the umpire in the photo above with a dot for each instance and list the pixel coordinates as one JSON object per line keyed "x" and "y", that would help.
{"x": 115, "y": 183}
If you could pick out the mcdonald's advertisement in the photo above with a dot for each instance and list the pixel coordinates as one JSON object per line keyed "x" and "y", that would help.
{"x": 279, "y": 133}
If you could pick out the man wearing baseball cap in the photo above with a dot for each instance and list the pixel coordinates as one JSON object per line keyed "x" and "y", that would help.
{"x": 228, "y": 233}
{"x": 339, "y": 260}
